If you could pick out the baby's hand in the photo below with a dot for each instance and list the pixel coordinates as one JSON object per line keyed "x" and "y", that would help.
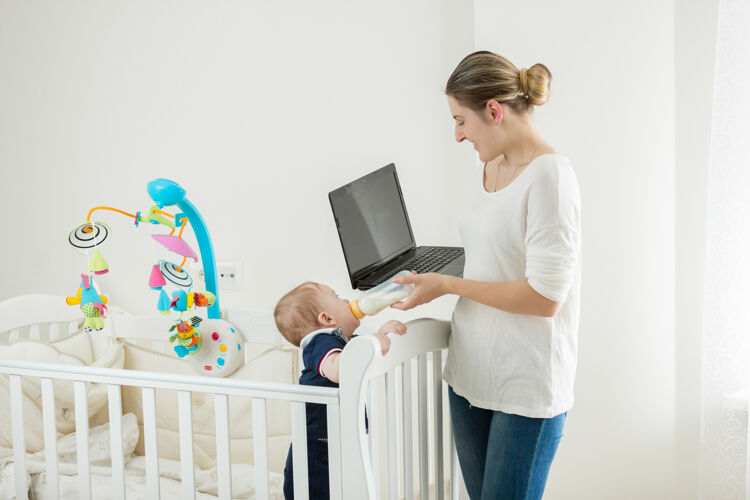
{"x": 385, "y": 342}
{"x": 392, "y": 326}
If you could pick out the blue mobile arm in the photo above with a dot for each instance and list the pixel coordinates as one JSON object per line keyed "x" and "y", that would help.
{"x": 165, "y": 193}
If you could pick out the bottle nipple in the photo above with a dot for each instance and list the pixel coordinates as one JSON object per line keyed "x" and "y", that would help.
{"x": 354, "y": 307}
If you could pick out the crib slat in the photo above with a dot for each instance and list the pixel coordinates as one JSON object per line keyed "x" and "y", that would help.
{"x": 437, "y": 399}
{"x": 82, "y": 440}
{"x": 373, "y": 412}
{"x": 60, "y": 330}
{"x": 223, "y": 457}
{"x": 299, "y": 450}
{"x": 14, "y": 335}
{"x": 150, "y": 440}
{"x": 19, "y": 441}
{"x": 50, "y": 437}
{"x": 391, "y": 419}
{"x": 186, "y": 444}
{"x": 260, "y": 448}
{"x": 406, "y": 423}
{"x": 34, "y": 332}
{"x": 424, "y": 480}
{"x": 334, "y": 451}
{"x": 115, "y": 439}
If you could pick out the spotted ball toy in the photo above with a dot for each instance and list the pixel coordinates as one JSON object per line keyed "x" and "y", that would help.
{"x": 220, "y": 352}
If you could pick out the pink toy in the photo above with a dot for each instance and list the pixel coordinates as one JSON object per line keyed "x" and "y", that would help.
{"x": 176, "y": 245}
{"x": 156, "y": 281}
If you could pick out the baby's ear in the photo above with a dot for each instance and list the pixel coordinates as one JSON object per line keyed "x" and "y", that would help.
{"x": 326, "y": 320}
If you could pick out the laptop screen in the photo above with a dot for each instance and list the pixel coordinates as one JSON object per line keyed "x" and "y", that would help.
{"x": 371, "y": 219}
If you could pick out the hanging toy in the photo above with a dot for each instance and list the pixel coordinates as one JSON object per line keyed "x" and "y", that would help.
{"x": 156, "y": 281}
{"x": 202, "y": 299}
{"x": 97, "y": 264}
{"x": 188, "y": 338}
{"x": 179, "y": 301}
{"x": 164, "y": 302}
{"x": 182, "y": 301}
{"x": 176, "y": 245}
{"x": 92, "y": 304}
{"x": 89, "y": 235}
{"x": 175, "y": 274}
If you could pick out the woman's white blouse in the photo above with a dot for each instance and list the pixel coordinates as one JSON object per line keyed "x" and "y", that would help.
{"x": 531, "y": 230}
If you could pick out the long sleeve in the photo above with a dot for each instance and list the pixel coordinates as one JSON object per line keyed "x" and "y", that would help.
{"x": 553, "y": 232}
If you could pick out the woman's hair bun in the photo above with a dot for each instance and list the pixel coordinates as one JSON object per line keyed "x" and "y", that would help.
{"x": 535, "y": 83}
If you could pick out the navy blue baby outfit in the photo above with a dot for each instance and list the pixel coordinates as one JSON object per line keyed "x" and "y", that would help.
{"x": 316, "y": 346}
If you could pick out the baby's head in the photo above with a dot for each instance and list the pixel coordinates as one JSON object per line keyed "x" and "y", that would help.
{"x": 312, "y": 306}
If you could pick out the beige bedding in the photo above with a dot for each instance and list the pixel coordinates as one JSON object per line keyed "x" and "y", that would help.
{"x": 276, "y": 363}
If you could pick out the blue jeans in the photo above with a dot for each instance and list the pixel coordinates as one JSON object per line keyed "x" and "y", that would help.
{"x": 503, "y": 456}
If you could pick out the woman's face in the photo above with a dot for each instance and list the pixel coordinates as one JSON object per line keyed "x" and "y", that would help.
{"x": 479, "y": 128}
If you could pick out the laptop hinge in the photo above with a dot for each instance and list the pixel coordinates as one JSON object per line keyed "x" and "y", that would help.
{"x": 383, "y": 266}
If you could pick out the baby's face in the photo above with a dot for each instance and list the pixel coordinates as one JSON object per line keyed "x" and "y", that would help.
{"x": 338, "y": 309}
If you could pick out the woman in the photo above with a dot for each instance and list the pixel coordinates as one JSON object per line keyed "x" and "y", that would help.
{"x": 513, "y": 347}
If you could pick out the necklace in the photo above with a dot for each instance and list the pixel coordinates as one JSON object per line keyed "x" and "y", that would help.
{"x": 515, "y": 169}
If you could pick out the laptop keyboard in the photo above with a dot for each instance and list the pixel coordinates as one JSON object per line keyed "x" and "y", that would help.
{"x": 432, "y": 260}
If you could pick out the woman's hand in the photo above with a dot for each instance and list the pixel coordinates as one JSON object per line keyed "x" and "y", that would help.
{"x": 427, "y": 287}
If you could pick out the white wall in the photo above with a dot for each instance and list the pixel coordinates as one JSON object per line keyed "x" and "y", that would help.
{"x": 695, "y": 58}
{"x": 257, "y": 109}
{"x": 612, "y": 112}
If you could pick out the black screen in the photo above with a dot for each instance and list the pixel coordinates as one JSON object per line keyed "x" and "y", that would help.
{"x": 371, "y": 219}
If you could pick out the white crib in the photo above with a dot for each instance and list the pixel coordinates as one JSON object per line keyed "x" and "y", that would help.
{"x": 403, "y": 392}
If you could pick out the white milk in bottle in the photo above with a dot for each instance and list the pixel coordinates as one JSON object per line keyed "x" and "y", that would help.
{"x": 376, "y": 299}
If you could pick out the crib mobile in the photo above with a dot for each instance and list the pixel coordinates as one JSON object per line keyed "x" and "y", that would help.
{"x": 210, "y": 345}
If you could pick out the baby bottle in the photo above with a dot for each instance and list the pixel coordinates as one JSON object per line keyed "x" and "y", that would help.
{"x": 376, "y": 299}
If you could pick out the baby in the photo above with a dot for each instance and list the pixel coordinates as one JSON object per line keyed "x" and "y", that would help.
{"x": 317, "y": 320}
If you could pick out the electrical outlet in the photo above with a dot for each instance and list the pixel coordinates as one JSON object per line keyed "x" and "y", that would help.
{"x": 228, "y": 275}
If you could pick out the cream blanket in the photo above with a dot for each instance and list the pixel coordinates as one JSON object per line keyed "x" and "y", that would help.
{"x": 135, "y": 471}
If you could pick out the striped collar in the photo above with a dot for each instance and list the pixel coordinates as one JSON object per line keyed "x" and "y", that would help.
{"x": 331, "y": 331}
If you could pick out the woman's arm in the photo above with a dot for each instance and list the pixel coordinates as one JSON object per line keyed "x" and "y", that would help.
{"x": 516, "y": 297}
{"x": 511, "y": 296}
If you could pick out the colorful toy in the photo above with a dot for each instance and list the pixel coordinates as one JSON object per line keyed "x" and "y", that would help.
{"x": 212, "y": 346}
{"x": 187, "y": 338}
{"x": 92, "y": 304}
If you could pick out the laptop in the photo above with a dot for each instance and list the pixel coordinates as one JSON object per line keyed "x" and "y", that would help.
{"x": 376, "y": 235}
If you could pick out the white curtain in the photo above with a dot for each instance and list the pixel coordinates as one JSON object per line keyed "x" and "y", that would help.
{"x": 726, "y": 333}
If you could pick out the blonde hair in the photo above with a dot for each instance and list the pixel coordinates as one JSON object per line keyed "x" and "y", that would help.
{"x": 484, "y": 75}
{"x": 296, "y": 314}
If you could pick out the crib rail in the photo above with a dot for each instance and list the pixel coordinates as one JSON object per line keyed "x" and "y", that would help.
{"x": 406, "y": 406}
{"x": 41, "y": 317}
{"x": 364, "y": 370}
{"x": 184, "y": 385}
